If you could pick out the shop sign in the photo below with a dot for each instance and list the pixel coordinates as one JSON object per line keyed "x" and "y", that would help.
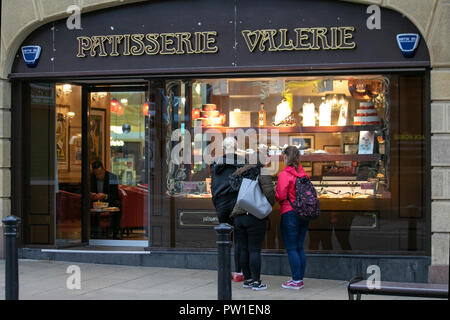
{"x": 223, "y": 36}
{"x": 334, "y": 38}
{"x": 150, "y": 44}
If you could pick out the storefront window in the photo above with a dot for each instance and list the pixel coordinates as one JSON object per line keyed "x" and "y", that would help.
{"x": 352, "y": 132}
{"x": 361, "y": 139}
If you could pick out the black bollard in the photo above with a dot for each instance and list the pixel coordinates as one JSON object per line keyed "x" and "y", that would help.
{"x": 11, "y": 258}
{"x": 224, "y": 261}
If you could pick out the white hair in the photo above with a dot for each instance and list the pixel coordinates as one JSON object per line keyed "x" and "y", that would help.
{"x": 229, "y": 143}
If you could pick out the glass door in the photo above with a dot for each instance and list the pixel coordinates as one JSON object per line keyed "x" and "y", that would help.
{"x": 118, "y": 170}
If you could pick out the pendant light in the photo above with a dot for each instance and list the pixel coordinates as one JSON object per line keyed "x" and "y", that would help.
{"x": 114, "y": 105}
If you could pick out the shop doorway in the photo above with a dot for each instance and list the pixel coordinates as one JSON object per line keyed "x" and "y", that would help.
{"x": 87, "y": 168}
{"x": 117, "y": 135}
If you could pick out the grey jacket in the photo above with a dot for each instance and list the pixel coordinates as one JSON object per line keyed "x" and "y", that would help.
{"x": 265, "y": 182}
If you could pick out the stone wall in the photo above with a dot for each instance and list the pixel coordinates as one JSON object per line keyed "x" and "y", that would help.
{"x": 432, "y": 17}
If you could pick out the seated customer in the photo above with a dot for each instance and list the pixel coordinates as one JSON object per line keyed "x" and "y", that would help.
{"x": 105, "y": 187}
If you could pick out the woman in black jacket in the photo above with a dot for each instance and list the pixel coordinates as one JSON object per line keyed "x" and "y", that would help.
{"x": 223, "y": 195}
{"x": 250, "y": 231}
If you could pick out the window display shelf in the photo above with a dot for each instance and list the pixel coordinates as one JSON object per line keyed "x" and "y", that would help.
{"x": 328, "y": 129}
{"x": 339, "y": 157}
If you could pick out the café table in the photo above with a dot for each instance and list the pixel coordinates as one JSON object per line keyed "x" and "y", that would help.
{"x": 96, "y": 213}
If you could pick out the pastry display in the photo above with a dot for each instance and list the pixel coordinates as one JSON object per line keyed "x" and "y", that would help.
{"x": 284, "y": 116}
{"x": 366, "y": 114}
{"x": 209, "y": 116}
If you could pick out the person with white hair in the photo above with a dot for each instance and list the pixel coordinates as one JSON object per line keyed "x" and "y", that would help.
{"x": 224, "y": 197}
{"x": 229, "y": 144}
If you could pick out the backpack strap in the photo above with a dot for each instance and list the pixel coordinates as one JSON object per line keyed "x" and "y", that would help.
{"x": 290, "y": 202}
{"x": 295, "y": 191}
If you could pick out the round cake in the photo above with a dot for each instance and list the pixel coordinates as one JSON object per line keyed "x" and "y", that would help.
{"x": 210, "y": 114}
{"x": 209, "y": 107}
{"x": 366, "y": 114}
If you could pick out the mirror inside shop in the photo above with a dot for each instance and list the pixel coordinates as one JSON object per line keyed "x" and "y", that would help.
{"x": 339, "y": 124}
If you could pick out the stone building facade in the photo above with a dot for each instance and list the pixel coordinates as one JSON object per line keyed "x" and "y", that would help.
{"x": 431, "y": 17}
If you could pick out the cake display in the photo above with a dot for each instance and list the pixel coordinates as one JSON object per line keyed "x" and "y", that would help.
{"x": 211, "y": 117}
{"x": 366, "y": 114}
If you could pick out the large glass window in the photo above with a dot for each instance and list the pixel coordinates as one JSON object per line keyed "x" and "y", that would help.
{"x": 361, "y": 140}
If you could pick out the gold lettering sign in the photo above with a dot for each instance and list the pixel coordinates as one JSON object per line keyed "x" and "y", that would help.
{"x": 319, "y": 38}
{"x": 149, "y": 44}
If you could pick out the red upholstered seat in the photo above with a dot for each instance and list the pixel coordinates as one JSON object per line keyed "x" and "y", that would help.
{"x": 134, "y": 207}
{"x": 68, "y": 207}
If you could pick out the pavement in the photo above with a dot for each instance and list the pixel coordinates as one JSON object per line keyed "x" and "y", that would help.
{"x": 48, "y": 280}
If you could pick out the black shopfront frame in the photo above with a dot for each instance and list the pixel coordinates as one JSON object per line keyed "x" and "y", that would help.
{"x": 376, "y": 52}
{"x": 20, "y": 144}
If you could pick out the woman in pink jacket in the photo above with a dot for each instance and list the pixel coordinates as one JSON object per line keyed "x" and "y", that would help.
{"x": 293, "y": 230}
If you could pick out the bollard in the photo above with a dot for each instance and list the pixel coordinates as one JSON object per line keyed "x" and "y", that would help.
{"x": 224, "y": 261}
{"x": 11, "y": 258}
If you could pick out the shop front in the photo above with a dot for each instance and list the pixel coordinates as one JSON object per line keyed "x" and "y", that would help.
{"x": 120, "y": 121}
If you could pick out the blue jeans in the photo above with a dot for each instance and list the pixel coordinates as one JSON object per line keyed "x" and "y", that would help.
{"x": 293, "y": 233}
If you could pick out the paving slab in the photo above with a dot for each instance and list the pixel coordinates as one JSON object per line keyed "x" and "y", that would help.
{"x": 47, "y": 280}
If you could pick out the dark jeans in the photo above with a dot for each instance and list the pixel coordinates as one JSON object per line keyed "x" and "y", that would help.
{"x": 293, "y": 233}
{"x": 224, "y": 206}
{"x": 249, "y": 235}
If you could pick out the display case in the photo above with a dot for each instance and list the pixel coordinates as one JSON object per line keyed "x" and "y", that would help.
{"x": 340, "y": 126}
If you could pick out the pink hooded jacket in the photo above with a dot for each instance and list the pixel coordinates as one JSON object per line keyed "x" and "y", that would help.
{"x": 286, "y": 185}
